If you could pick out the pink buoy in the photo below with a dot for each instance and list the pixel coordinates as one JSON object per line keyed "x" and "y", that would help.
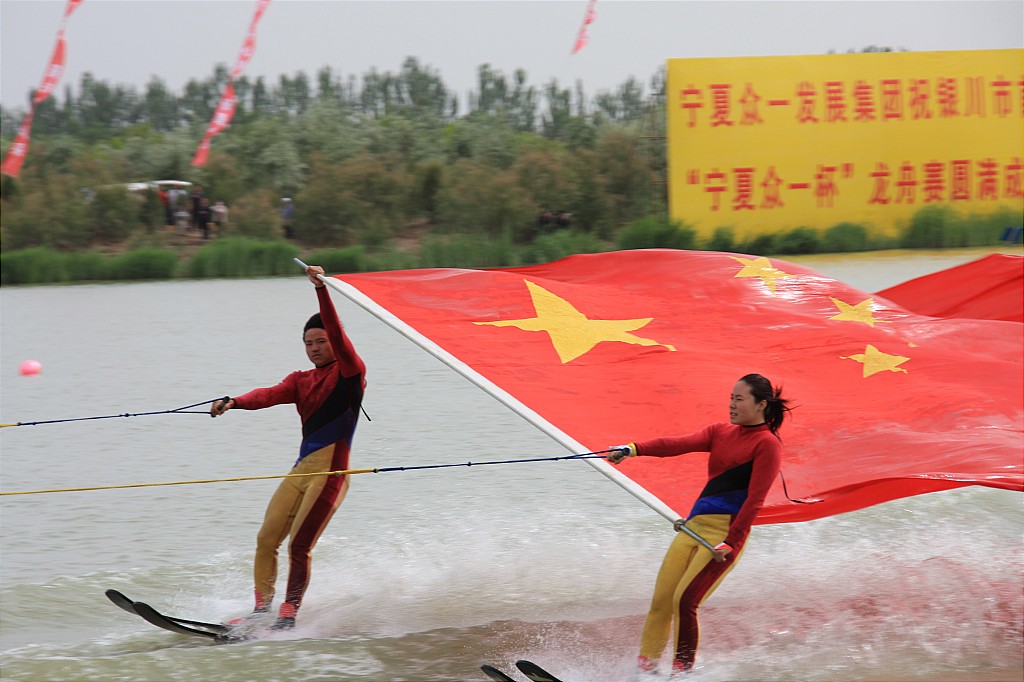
{"x": 30, "y": 367}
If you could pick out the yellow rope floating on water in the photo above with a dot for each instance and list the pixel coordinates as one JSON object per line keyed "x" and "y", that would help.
{"x": 208, "y": 480}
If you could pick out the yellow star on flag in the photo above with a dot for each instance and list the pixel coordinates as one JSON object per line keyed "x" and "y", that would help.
{"x": 762, "y": 268}
{"x": 862, "y": 312}
{"x": 572, "y": 333}
{"x": 875, "y": 361}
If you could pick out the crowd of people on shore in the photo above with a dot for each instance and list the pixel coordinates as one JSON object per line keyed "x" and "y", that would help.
{"x": 192, "y": 212}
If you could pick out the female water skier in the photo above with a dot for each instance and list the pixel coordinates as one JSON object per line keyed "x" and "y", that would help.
{"x": 746, "y": 456}
{"x": 328, "y": 398}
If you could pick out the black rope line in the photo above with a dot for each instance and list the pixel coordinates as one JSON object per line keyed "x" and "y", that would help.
{"x": 185, "y": 409}
{"x": 583, "y": 455}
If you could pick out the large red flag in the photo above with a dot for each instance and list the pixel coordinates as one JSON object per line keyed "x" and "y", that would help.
{"x": 616, "y": 347}
{"x": 990, "y": 288}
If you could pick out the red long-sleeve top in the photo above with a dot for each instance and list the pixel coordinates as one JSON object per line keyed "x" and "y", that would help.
{"x": 743, "y": 465}
{"x": 327, "y": 398}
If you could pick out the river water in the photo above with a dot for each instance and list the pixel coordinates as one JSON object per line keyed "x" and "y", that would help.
{"x": 424, "y": 575}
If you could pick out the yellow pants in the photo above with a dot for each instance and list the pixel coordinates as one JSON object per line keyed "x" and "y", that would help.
{"x": 687, "y": 577}
{"x": 301, "y": 508}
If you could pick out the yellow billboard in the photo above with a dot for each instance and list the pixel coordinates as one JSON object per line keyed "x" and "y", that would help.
{"x": 762, "y": 144}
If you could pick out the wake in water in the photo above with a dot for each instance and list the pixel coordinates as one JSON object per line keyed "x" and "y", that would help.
{"x": 827, "y": 600}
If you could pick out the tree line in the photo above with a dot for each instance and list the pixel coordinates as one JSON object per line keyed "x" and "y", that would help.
{"x": 364, "y": 160}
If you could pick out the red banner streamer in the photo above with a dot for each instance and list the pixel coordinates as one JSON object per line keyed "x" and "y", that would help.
{"x": 226, "y": 107}
{"x": 55, "y": 69}
{"x": 582, "y": 38}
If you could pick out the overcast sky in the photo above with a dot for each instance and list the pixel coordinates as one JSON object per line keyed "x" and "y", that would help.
{"x": 130, "y": 41}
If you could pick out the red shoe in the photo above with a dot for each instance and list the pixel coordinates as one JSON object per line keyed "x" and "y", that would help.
{"x": 646, "y": 670}
{"x": 249, "y": 621}
{"x": 679, "y": 671}
{"x": 285, "y": 617}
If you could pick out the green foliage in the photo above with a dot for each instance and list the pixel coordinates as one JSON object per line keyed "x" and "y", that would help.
{"x": 21, "y": 221}
{"x": 932, "y": 226}
{"x": 151, "y": 211}
{"x": 551, "y": 247}
{"x": 326, "y": 209}
{"x": 760, "y": 245}
{"x": 722, "y": 239}
{"x": 44, "y": 265}
{"x": 362, "y": 200}
{"x": 34, "y": 265}
{"x": 942, "y": 227}
{"x": 657, "y": 233}
{"x": 480, "y": 200}
{"x": 92, "y": 266}
{"x": 255, "y": 215}
{"x": 541, "y": 173}
{"x": 798, "y": 240}
{"x": 241, "y": 257}
{"x": 987, "y": 228}
{"x": 430, "y": 177}
{"x": 351, "y": 259}
{"x": 628, "y": 183}
{"x": 223, "y": 179}
{"x": 113, "y": 214}
{"x": 845, "y": 237}
{"x": 10, "y": 188}
{"x": 487, "y": 140}
{"x": 389, "y": 259}
{"x": 467, "y": 251}
{"x": 146, "y": 263}
{"x": 590, "y": 202}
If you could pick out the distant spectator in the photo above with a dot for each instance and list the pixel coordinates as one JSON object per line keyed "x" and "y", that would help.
{"x": 220, "y": 215}
{"x": 203, "y": 215}
{"x": 175, "y": 197}
{"x": 563, "y": 220}
{"x": 197, "y": 201}
{"x": 544, "y": 221}
{"x": 288, "y": 217}
{"x": 183, "y": 219}
{"x": 165, "y": 201}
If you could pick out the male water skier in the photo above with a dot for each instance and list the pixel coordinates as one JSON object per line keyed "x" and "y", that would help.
{"x": 328, "y": 398}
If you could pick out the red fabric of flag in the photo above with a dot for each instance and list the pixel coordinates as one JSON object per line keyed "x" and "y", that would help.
{"x": 990, "y": 288}
{"x": 625, "y": 346}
